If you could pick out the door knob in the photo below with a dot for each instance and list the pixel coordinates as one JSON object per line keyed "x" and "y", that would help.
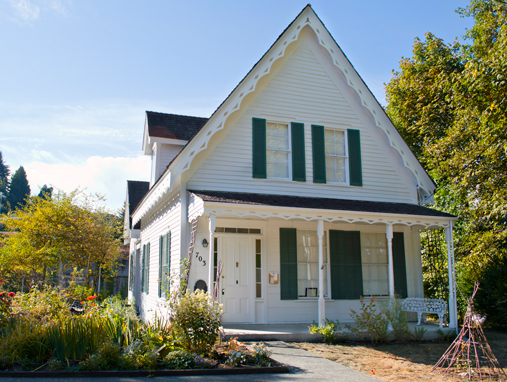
{"x": 223, "y": 292}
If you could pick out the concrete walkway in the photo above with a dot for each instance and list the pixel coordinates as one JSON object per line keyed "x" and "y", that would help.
{"x": 303, "y": 365}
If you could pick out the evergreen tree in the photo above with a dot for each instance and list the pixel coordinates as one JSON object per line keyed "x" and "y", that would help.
{"x": 46, "y": 192}
{"x": 19, "y": 189}
{"x": 4, "y": 183}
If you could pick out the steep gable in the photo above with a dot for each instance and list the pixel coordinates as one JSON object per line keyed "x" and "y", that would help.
{"x": 304, "y": 90}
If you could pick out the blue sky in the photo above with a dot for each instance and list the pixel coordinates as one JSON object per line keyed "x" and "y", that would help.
{"x": 77, "y": 76}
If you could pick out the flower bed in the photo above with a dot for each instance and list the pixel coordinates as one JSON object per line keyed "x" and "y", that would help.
{"x": 40, "y": 333}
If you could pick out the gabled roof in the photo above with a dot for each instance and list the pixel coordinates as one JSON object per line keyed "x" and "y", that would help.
{"x": 135, "y": 190}
{"x": 233, "y": 103}
{"x": 317, "y": 203}
{"x": 173, "y": 126}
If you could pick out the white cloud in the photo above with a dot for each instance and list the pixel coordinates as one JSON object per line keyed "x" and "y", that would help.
{"x": 25, "y": 10}
{"x": 104, "y": 175}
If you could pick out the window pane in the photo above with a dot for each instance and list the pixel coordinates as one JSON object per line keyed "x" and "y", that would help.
{"x": 258, "y": 290}
{"x": 329, "y": 142}
{"x": 340, "y": 143}
{"x": 242, "y": 230}
{"x": 330, "y": 169}
{"x": 257, "y": 231}
{"x": 258, "y": 275}
{"x": 340, "y": 169}
{"x": 258, "y": 260}
{"x": 271, "y": 156}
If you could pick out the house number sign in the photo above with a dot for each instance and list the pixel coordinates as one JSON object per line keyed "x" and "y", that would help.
{"x": 200, "y": 259}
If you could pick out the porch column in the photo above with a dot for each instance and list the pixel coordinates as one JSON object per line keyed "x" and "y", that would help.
{"x": 389, "y": 236}
{"x": 322, "y": 303}
{"x": 453, "y": 309}
{"x": 212, "y": 225}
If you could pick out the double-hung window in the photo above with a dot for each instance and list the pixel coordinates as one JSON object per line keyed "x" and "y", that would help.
{"x": 278, "y": 150}
{"x": 308, "y": 263}
{"x": 336, "y": 156}
{"x": 375, "y": 264}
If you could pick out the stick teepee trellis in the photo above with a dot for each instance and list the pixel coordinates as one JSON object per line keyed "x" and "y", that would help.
{"x": 470, "y": 354}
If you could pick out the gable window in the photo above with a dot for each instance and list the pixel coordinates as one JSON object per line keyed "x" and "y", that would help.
{"x": 277, "y": 150}
{"x": 336, "y": 155}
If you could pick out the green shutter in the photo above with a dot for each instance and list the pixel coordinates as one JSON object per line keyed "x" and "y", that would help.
{"x": 259, "y": 148}
{"x": 354, "y": 267}
{"x": 167, "y": 269}
{"x": 319, "y": 154}
{"x": 142, "y": 267}
{"x": 298, "y": 152}
{"x": 338, "y": 261}
{"x": 288, "y": 264}
{"x": 160, "y": 264}
{"x": 355, "y": 168}
{"x": 346, "y": 268}
{"x": 400, "y": 271}
{"x": 147, "y": 278}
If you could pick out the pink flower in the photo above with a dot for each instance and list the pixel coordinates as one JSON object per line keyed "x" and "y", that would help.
{"x": 11, "y": 294}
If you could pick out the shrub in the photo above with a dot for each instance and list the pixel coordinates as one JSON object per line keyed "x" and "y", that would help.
{"x": 42, "y": 305}
{"x": 196, "y": 321}
{"x": 107, "y": 358}
{"x": 369, "y": 322}
{"x": 397, "y": 318}
{"x": 328, "y": 331}
{"x": 179, "y": 359}
{"x": 262, "y": 353}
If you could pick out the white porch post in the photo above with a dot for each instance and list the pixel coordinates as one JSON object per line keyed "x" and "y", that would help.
{"x": 212, "y": 224}
{"x": 453, "y": 309}
{"x": 389, "y": 236}
{"x": 322, "y": 303}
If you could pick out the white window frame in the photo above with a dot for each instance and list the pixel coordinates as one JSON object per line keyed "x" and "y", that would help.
{"x": 289, "y": 157}
{"x": 346, "y": 165}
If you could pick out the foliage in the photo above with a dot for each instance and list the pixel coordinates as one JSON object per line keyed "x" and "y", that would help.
{"x": 179, "y": 359}
{"x": 370, "y": 323}
{"x": 69, "y": 228}
{"x": 4, "y": 184}
{"x": 108, "y": 357}
{"x": 328, "y": 331}
{"x": 78, "y": 292}
{"x": 262, "y": 353}
{"x": 448, "y": 336}
{"x": 196, "y": 321}
{"x": 45, "y": 192}
{"x": 448, "y": 102}
{"x": 19, "y": 189}
{"x": 397, "y": 318}
{"x": 43, "y": 305}
{"x": 419, "y": 334}
{"x": 491, "y": 298}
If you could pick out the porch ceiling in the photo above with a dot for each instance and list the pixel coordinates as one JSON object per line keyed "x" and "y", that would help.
{"x": 265, "y": 206}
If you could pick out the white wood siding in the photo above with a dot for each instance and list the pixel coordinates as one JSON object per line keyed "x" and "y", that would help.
{"x": 303, "y": 91}
{"x": 165, "y": 155}
{"x": 168, "y": 219}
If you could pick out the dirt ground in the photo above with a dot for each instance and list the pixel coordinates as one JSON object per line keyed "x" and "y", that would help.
{"x": 401, "y": 362}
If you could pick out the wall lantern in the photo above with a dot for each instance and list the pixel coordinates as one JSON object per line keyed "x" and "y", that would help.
{"x": 205, "y": 243}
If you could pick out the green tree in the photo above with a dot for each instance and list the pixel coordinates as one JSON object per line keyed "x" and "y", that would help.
{"x": 19, "y": 189}
{"x": 449, "y": 102}
{"x": 69, "y": 228}
{"x": 4, "y": 184}
{"x": 45, "y": 192}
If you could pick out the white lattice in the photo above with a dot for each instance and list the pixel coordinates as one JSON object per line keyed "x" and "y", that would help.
{"x": 425, "y": 305}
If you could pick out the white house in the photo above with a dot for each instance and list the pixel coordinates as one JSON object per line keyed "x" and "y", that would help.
{"x": 299, "y": 183}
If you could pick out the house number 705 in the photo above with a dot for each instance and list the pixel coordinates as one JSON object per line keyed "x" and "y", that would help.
{"x": 198, "y": 257}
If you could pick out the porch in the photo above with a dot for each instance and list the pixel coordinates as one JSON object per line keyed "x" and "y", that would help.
{"x": 300, "y": 333}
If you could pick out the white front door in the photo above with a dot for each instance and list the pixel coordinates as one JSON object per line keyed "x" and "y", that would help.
{"x": 237, "y": 276}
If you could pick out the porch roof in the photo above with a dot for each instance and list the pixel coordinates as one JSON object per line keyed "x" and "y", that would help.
{"x": 308, "y": 208}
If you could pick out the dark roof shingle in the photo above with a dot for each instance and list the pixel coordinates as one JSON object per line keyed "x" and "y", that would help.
{"x": 318, "y": 203}
{"x": 173, "y": 126}
{"x": 136, "y": 190}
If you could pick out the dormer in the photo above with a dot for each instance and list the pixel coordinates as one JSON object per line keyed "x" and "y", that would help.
{"x": 165, "y": 135}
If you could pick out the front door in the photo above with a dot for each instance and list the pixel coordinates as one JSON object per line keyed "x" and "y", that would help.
{"x": 237, "y": 278}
